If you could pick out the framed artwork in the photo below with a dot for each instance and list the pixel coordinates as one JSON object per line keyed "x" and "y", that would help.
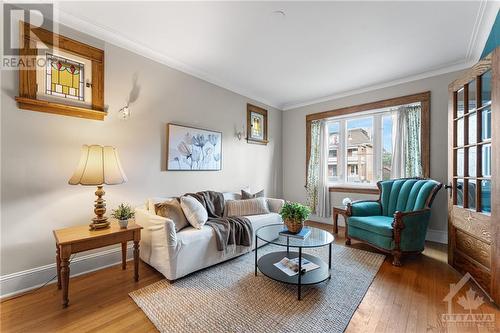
{"x": 68, "y": 77}
{"x": 191, "y": 148}
{"x": 256, "y": 125}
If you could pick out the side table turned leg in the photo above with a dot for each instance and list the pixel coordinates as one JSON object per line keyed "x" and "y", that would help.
{"x": 58, "y": 267}
{"x": 136, "y": 261}
{"x": 65, "y": 278}
{"x": 124, "y": 255}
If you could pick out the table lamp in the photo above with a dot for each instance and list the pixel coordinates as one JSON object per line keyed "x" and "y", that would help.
{"x": 99, "y": 165}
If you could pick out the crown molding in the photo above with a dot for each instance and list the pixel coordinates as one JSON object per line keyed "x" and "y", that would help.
{"x": 485, "y": 18}
{"x": 439, "y": 71}
{"x": 111, "y": 36}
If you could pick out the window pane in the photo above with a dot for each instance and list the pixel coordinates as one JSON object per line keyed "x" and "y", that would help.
{"x": 460, "y": 162}
{"x": 486, "y": 127}
{"x": 472, "y": 161}
{"x": 460, "y": 102}
{"x": 472, "y": 193}
{"x": 486, "y": 160}
{"x": 472, "y": 95}
{"x": 64, "y": 77}
{"x": 472, "y": 128}
{"x": 333, "y": 149}
{"x": 486, "y": 196}
{"x": 387, "y": 149}
{"x": 486, "y": 88}
{"x": 460, "y": 192}
{"x": 460, "y": 132}
{"x": 360, "y": 150}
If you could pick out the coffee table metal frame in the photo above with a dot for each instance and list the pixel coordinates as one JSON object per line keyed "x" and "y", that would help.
{"x": 266, "y": 263}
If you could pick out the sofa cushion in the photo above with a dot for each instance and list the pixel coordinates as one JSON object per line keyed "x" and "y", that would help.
{"x": 247, "y": 195}
{"x": 172, "y": 210}
{"x": 247, "y": 207}
{"x": 378, "y": 240}
{"x": 378, "y": 224}
{"x": 195, "y": 213}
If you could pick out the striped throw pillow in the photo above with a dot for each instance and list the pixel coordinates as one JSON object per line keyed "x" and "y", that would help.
{"x": 247, "y": 207}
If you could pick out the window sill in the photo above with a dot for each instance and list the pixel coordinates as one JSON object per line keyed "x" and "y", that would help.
{"x": 362, "y": 189}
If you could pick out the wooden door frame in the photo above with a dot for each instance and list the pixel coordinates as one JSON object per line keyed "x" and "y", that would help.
{"x": 489, "y": 226}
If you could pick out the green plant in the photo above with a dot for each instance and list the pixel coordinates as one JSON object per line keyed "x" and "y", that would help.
{"x": 294, "y": 211}
{"x": 123, "y": 212}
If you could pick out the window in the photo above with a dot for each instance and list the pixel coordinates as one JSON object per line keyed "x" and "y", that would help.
{"x": 64, "y": 77}
{"x": 364, "y": 141}
{"x": 367, "y": 146}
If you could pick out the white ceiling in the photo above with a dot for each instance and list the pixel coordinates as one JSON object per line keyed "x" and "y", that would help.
{"x": 316, "y": 51}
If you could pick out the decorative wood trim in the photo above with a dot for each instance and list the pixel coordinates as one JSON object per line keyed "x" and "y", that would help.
{"x": 353, "y": 189}
{"x": 27, "y": 99}
{"x": 252, "y": 108}
{"x": 495, "y": 176}
{"x": 65, "y": 110}
{"x": 424, "y": 98}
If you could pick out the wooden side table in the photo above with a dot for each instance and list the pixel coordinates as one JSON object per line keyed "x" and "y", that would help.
{"x": 342, "y": 210}
{"x": 80, "y": 238}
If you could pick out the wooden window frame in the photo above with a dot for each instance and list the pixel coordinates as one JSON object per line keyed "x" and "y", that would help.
{"x": 27, "y": 99}
{"x": 424, "y": 98}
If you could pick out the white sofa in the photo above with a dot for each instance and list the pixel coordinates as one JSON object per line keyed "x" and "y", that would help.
{"x": 176, "y": 254}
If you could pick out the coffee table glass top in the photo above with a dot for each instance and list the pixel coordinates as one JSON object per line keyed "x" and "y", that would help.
{"x": 316, "y": 238}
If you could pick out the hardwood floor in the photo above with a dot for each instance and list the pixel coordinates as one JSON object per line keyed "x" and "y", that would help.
{"x": 400, "y": 299}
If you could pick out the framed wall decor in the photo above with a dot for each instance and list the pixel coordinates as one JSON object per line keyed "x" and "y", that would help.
{"x": 67, "y": 76}
{"x": 193, "y": 149}
{"x": 256, "y": 125}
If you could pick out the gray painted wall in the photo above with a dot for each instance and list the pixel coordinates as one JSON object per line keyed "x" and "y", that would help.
{"x": 40, "y": 152}
{"x": 294, "y": 139}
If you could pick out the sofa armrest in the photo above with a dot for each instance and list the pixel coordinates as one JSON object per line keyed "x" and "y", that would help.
{"x": 160, "y": 229}
{"x": 411, "y": 227}
{"x": 275, "y": 204}
{"x": 364, "y": 208}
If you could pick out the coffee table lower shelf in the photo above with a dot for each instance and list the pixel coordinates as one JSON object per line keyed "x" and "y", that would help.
{"x": 266, "y": 267}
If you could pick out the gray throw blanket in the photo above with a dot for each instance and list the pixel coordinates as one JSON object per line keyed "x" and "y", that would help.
{"x": 228, "y": 230}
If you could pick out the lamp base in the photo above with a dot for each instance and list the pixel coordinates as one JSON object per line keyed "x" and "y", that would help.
{"x": 100, "y": 221}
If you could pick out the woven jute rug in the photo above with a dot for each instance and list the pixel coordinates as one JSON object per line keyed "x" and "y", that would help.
{"x": 229, "y": 298}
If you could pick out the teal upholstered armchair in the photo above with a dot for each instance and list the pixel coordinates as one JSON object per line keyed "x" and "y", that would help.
{"x": 397, "y": 222}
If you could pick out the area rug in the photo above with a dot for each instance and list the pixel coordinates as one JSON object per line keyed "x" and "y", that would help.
{"x": 229, "y": 298}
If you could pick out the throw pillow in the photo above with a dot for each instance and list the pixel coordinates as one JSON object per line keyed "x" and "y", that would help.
{"x": 171, "y": 209}
{"x": 195, "y": 213}
{"x": 247, "y": 207}
{"x": 247, "y": 195}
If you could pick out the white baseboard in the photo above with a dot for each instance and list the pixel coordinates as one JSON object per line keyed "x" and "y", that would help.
{"x": 23, "y": 281}
{"x": 438, "y": 236}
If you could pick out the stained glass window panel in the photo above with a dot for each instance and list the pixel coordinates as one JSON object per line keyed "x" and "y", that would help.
{"x": 64, "y": 77}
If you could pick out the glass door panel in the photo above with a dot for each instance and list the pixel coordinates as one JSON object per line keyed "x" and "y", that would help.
{"x": 486, "y": 196}
{"x": 472, "y": 128}
{"x": 472, "y": 96}
{"x": 486, "y": 160}
{"x": 486, "y": 88}
{"x": 460, "y": 103}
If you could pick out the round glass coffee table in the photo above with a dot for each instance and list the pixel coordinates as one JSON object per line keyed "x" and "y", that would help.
{"x": 317, "y": 238}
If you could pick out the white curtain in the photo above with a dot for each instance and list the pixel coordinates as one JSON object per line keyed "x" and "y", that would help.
{"x": 323, "y": 205}
{"x": 406, "y": 157}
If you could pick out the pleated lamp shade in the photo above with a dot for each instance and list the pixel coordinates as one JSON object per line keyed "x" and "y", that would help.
{"x": 98, "y": 165}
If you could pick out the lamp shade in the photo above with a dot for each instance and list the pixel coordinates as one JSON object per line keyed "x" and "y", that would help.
{"x": 98, "y": 165}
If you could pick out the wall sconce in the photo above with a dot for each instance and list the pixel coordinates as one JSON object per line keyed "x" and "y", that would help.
{"x": 125, "y": 112}
{"x": 239, "y": 133}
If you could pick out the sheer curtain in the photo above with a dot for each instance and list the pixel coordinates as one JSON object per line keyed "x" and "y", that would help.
{"x": 318, "y": 194}
{"x": 407, "y": 156}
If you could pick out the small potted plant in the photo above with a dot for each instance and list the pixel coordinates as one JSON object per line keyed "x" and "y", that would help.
{"x": 294, "y": 215}
{"x": 123, "y": 213}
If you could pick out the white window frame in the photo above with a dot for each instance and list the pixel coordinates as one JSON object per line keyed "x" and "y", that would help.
{"x": 342, "y": 160}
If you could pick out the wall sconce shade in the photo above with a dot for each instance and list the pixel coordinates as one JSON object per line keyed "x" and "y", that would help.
{"x": 98, "y": 165}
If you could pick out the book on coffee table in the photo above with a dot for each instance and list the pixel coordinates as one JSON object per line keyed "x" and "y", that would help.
{"x": 301, "y": 235}
{"x": 291, "y": 266}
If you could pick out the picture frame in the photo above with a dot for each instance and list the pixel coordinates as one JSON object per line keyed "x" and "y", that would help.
{"x": 257, "y": 125}
{"x": 69, "y": 57}
{"x": 193, "y": 149}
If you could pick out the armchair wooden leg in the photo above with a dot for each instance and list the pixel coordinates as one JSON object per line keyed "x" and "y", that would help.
{"x": 347, "y": 241}
{"x": 396, "y": 261}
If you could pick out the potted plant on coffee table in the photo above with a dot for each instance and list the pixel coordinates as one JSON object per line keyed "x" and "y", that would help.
{"x": 123, "y": 213}
{"x": 294, "y": 214}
